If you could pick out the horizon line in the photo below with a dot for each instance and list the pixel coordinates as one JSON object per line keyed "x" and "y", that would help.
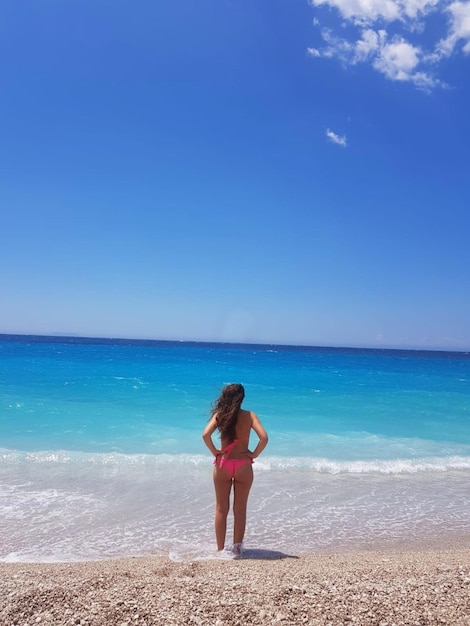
{"x": 91, "y": 338}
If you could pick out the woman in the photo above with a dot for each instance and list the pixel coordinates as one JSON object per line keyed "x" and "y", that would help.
{"x": 232, "y": 463}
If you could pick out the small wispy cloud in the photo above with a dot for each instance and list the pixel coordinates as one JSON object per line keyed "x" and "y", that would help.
{"x": 339, "y": 140}
{"x": 391, "y": 36}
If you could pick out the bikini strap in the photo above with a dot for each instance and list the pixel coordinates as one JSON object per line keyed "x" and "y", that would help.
{"x": 226, "y": 451}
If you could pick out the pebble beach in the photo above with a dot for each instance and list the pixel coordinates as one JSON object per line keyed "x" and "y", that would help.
{"x": 378, "y": 588}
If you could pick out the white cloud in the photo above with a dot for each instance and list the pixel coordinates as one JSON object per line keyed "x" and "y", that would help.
{"x": 459, "y": 29}
{"x": 313, "y": 52}
{"x": 397, "y": 60}
{"x": 363, "y": 11}
{"x": 337, "y": 139}
{"x": 369, "y": 44}
{"x": 415, "y": 8}
{"x": 392, "y": 36}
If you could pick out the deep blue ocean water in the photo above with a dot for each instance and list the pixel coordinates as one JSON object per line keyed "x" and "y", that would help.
{"x": 101, "y": 454}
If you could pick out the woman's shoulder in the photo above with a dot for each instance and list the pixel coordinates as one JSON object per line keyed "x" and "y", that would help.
{"x": 246, "y": 416}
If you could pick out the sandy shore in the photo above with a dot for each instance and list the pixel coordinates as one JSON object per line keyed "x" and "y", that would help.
{"x": 415, "y": 588}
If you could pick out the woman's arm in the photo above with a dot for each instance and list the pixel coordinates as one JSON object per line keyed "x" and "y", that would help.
{"x": 257, "y": 426}
{"x": 207, "y": 433}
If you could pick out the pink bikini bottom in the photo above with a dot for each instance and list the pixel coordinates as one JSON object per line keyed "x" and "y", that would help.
{"x": 231, "y": 465}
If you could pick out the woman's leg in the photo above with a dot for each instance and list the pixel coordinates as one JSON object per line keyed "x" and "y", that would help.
{"x": 241, "y": 488}
{"x": 223, "y": 485}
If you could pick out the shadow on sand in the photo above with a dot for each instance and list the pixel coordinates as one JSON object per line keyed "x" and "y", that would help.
{"x": 183, "y": 553}
{"x": 265, "y": 555}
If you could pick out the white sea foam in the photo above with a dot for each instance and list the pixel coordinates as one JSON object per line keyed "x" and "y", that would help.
{"x": 265, "y": 463}
{"x": 382, "y": 466}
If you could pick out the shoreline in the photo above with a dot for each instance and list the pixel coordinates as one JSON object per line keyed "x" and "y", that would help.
{"x": 381, "y": 588}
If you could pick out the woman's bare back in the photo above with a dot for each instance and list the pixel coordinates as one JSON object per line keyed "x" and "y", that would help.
{"x": 242, "y": 430}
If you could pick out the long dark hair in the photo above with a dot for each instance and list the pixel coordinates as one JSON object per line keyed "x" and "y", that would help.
{"x": 227, "y": 406}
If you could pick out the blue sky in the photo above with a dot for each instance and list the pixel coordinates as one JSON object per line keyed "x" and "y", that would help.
{"x": 230, "y": 170}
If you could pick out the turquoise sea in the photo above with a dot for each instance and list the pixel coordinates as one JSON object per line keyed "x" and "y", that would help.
{"x": 101, "y": 454}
